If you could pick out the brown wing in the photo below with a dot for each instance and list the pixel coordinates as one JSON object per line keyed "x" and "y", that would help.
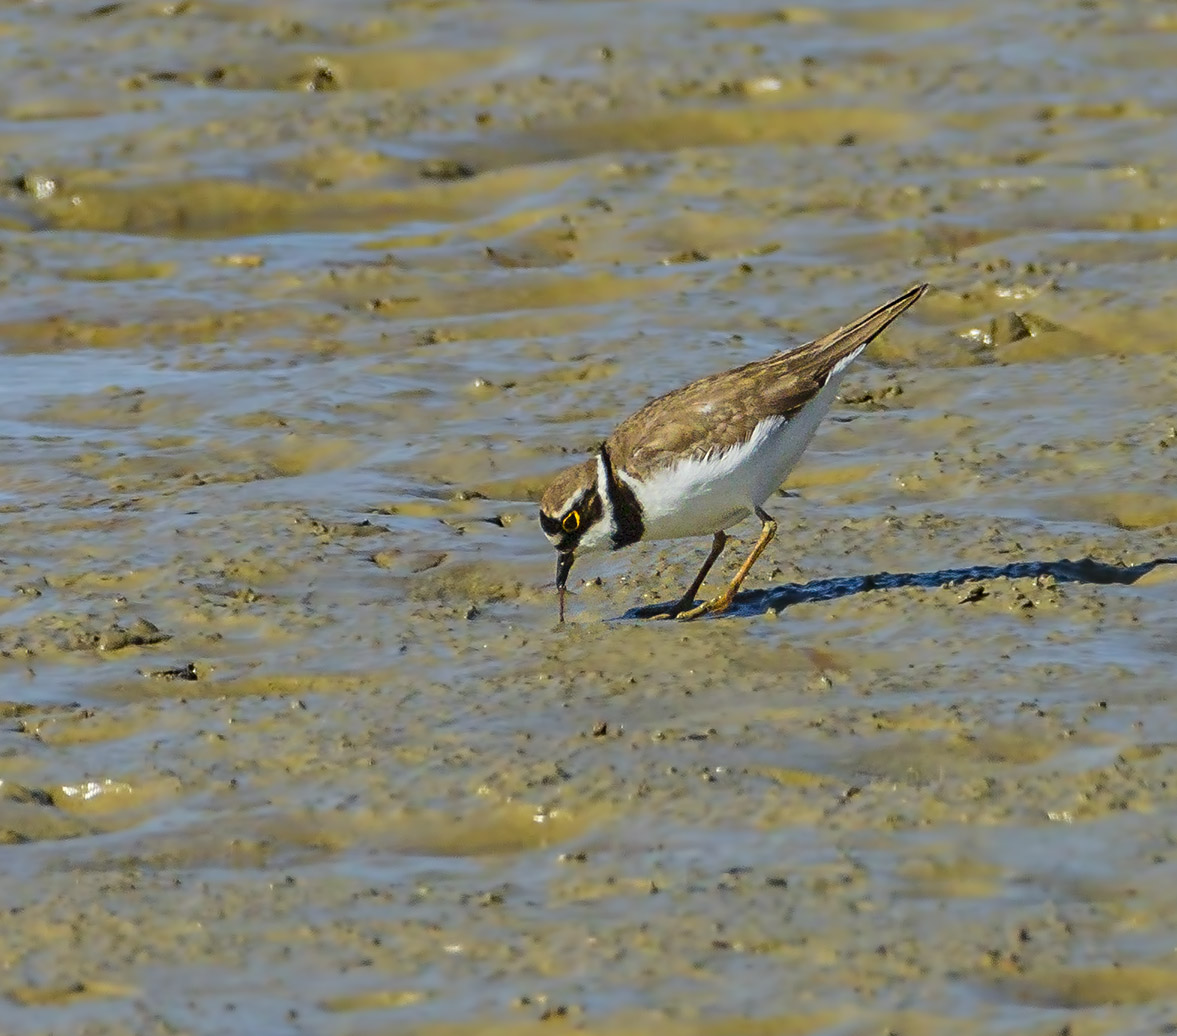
{"x": 726, "y": 407}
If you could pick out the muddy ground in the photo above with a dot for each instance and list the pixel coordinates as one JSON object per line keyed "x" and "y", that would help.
{"x": 300, "y": 307}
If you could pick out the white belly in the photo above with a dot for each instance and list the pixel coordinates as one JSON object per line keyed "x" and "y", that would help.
{"x": 697, "y": 497}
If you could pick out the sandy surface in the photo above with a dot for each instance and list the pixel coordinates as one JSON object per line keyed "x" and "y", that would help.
{"x": 300, "y": 307}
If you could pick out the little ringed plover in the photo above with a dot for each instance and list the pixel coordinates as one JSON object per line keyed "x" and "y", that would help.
{"x": 703, "y": 457}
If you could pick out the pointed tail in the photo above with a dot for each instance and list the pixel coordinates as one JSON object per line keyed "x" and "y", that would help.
{"x": 855, "y": 336}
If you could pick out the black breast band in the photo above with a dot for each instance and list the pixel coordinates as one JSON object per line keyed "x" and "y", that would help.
{"x": 627, "y": 512}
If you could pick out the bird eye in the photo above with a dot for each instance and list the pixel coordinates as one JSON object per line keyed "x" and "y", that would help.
{"x": 571, "y": 521}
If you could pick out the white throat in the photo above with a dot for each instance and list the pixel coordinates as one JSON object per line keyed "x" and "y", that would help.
{"x": 600, "y": 534}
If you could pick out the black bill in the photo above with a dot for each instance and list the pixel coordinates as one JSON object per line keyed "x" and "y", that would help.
{"x": 563, "y": 566}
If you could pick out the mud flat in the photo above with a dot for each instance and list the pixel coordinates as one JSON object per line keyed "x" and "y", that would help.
{"x": 300, "y": 307}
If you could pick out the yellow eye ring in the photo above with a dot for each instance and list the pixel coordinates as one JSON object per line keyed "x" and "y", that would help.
{"x": 571, "y": 521}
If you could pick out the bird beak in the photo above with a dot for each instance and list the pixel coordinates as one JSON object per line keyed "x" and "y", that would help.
{"x": 563, "y": 566}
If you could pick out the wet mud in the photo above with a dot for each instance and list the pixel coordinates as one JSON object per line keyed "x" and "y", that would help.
{"x": 302, "y": 305}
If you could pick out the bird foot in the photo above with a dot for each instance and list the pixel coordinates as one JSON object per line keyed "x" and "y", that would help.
{"x": 673, "y": 612}
{"x": 712, "y": 607}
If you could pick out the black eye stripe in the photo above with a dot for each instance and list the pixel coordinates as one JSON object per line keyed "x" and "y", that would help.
{"x": 550, "y": 525}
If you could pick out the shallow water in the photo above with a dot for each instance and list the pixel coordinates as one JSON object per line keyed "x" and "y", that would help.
{"x": 303, "y": 304}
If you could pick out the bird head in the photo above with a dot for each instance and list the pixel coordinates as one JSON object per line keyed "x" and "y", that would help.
{"x": 572, "y": 516}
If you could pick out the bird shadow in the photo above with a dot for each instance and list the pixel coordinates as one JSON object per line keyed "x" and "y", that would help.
{"x": 1085, "y": 570}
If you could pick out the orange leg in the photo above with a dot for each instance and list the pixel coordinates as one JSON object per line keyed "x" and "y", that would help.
{"x": 687, "y": 599}
{"x": 724, "y": 600}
